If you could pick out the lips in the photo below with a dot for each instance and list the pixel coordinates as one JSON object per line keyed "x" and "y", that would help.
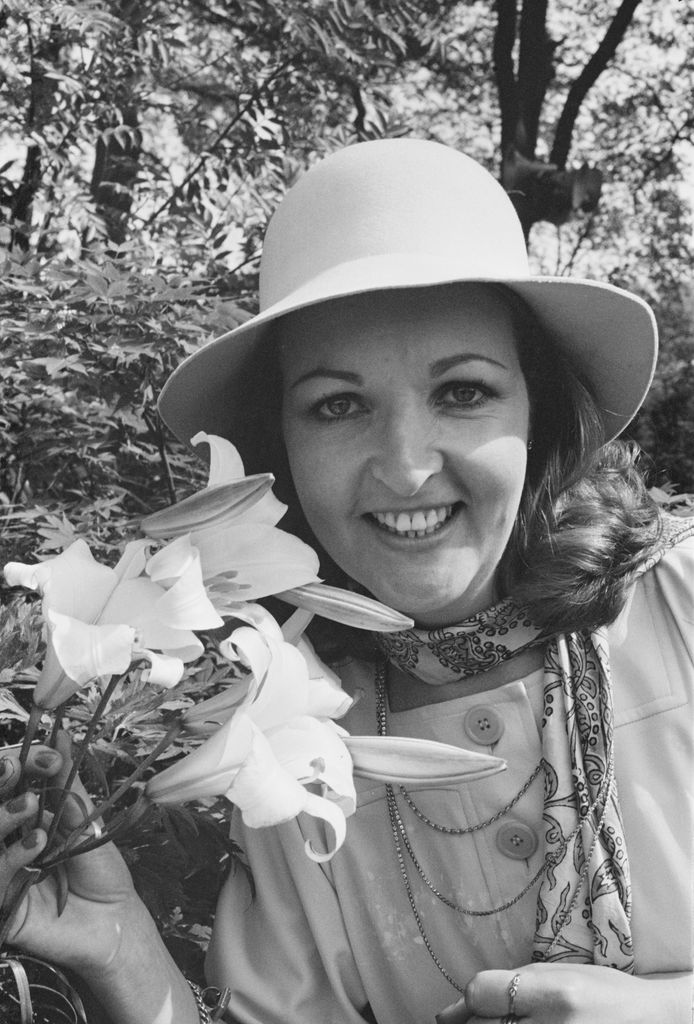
{"x": 413, "y": 524}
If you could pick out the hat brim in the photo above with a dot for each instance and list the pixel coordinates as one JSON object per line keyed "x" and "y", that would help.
{"x": 608, "y": 334}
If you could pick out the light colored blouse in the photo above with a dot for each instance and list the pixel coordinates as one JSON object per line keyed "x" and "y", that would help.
{"x": 318, "y": 944}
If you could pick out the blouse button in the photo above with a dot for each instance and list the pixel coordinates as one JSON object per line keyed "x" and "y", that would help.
{"x": 483, "y": 725}
{"x": 516, "y": 840}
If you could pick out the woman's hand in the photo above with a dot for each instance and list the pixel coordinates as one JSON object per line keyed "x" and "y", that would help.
{"x": 573, "y": 994}
{"x": 101, "y": 900}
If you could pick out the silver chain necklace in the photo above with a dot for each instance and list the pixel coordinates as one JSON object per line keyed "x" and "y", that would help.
{"x": 401, "y": 839}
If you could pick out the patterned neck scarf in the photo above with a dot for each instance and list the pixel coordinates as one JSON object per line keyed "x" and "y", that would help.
{"x": 584, "y": 902}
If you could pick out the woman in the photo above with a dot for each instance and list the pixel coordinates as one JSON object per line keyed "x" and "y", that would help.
{"x": 441, "y": 421}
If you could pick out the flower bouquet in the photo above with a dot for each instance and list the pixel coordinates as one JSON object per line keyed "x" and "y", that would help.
{"x": 236, "y": 706}
{"x": 248, "y": 714}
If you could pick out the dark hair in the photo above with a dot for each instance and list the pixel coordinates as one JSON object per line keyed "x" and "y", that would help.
{"x": 585, "y": 518}
{"x": 586, "y": 521}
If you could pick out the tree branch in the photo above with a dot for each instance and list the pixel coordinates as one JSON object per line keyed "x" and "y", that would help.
{"x": 535, "y": 72}
{"x": 253, "y": 98}
{"x": 507, "y": 87}
{"x": 587, "y": 78}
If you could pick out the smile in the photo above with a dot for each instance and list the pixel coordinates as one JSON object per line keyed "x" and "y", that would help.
{"x": 421, "y": 523}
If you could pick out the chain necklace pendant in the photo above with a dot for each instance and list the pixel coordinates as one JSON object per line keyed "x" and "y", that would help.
{"x": 401, "y": 839}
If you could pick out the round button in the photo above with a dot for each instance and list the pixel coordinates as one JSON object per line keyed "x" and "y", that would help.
{"x": 516, "y": 840}
{"x": 483, "y": 725}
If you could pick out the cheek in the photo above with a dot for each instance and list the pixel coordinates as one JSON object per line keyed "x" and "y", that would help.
{"x": 499, "y": 471}
{"x": 318, "y": 476}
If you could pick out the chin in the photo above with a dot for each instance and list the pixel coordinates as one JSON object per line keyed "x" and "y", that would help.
{"x": 435, "y": 605}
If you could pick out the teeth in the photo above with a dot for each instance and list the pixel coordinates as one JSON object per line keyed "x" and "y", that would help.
{"x": 417, "y": 524}
{"x": 403, "y": 523}
{"x": 419, "y": 521}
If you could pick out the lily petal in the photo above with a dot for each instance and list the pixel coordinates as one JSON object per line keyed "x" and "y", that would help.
{"x": 225, "y": 462}
{"x": 135, "y": 602}
{"x": 73, "y": 583}
{"x": 281, "y": 675}
{"x": 226, "y": 465}
{"x": 186, "y": 604}
{"x": 418, "y": 763}
{"x": 263, "y": 557}
{"x": 263, "y": 791}
{"x": 210, "y": 769}
{"x": 163, "y": 671}
{"x": 213, "y": 506}
{"x": 86, "y": 651}
{"x": 133, "y": 560}
{"x": 319, "y": 807}
{"x": 326, "y": 698}
{"x": 171, "y": 561}
{"x": 258, "y": 617}
{"x": 347, "y": 607}
{"x": 206, "y": 716}
{"x": 313, "y": 751}
{"x": 53, "y": 685}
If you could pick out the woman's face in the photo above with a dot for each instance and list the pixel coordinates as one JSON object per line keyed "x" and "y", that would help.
{"x": 405, "y": 418}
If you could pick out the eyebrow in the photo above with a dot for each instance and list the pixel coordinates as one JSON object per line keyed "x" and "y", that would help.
{"x": 436, "y": 369}
{"x": 324, "y": 371}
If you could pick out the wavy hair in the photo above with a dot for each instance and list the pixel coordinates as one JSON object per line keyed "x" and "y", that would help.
{"x": 585, "y": 521}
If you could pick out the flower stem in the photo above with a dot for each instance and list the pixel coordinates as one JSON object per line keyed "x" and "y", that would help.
{"x": 83, "y": 748}
{"x": 167, "y": 739}
{"x": 29, "y": 734}
{"x": 43, "y": 788}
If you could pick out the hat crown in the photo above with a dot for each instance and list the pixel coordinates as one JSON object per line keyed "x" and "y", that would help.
{"x": 406, "y": 204}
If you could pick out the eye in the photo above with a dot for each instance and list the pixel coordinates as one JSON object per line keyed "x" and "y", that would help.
{"x": 463, "y": 394}
{"x": 337, "y": 407}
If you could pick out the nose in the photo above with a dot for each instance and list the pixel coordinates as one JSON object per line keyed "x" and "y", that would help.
{"x": 406, "y": 454}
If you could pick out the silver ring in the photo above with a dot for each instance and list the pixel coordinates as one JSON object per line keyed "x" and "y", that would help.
{"x": 512, "y": 993}
{"x": 510, "y": 1018}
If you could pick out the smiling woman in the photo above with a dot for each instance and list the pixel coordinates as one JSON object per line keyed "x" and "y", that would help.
{"x": 405, "y": 420}
{"x": 442, "y": 426}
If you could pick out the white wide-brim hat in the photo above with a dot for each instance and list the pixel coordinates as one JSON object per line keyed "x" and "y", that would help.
{"x": 406, "y": 213}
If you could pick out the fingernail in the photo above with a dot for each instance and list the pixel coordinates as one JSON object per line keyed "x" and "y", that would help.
{"x": 31, "y": 840}
{"x": 17, "y": 803}
{"x": 46, "y": 759}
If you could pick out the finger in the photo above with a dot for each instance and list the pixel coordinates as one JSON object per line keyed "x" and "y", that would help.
{"x": 20, "y": 855}
{"x": 16, "y": 811}
{"x": 488, "y": 994}
{"x": 42, "y": 762}
{"x": 458, "y": 1013}
{"x": 79, "y": 804}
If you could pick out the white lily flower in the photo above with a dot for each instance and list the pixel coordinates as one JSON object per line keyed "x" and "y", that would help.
{"x": 232, "y": 524}
{"x": 258, "y": 773}
{"x": 100, "y": 618}
{"x": 274, "y": 742}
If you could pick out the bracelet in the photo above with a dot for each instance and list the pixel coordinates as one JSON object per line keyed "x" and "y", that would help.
{"x": 209, "y": 1014}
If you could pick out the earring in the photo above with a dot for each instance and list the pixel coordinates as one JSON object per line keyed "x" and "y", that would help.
{"x": 531, "y": 445}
